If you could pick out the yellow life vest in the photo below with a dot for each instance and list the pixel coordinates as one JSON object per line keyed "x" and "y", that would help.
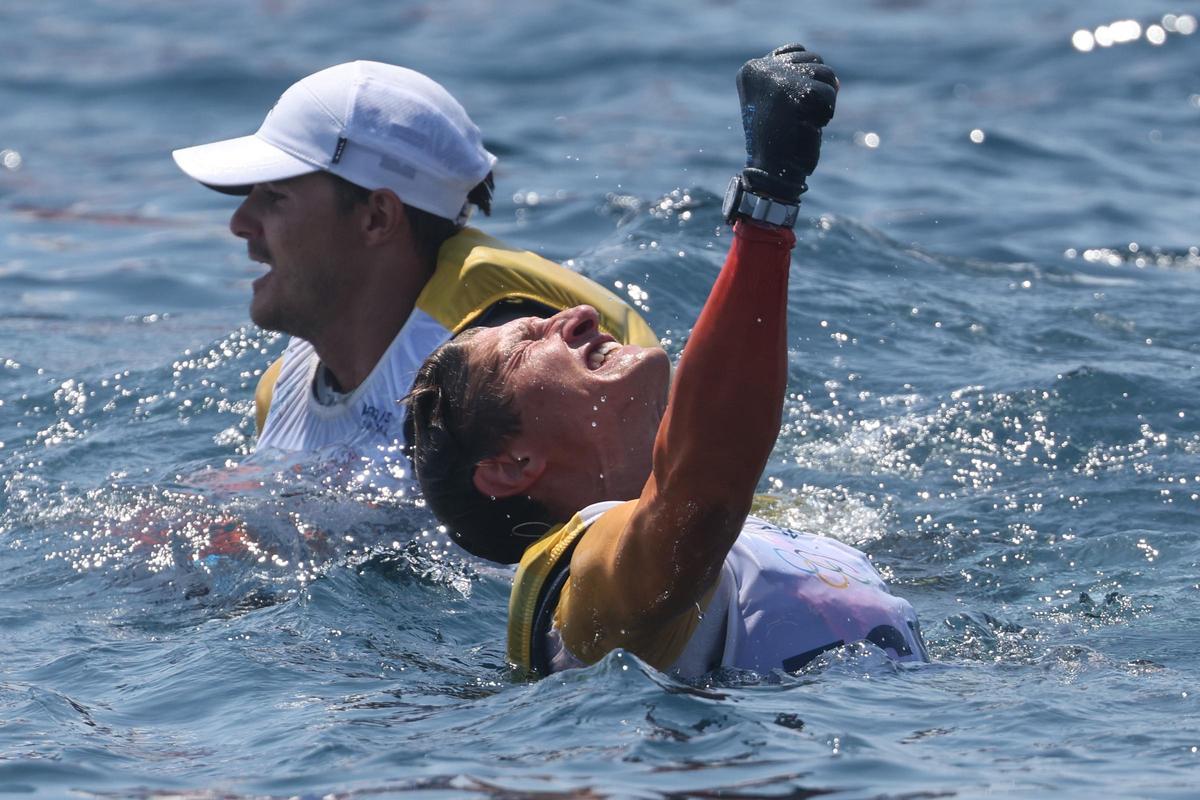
{"x": 475, "y": 272}
{"x": 541, "y": 575}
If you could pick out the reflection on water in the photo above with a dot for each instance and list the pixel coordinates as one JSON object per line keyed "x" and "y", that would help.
{"x": 992, "y": 365}
{"x": 1126, "y": 31}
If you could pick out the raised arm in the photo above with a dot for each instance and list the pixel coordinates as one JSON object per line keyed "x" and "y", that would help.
{"x": 654, "y": 560}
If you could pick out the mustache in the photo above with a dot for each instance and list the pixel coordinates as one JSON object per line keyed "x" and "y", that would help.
{"x": 258, "y": 252}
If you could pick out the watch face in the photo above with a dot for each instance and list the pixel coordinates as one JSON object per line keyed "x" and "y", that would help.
{"x": 732, "y": 195}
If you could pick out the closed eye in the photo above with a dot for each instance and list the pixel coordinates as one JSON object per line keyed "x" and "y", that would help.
{"x": 268, "y": 194}
{"x": 524, "y": 335}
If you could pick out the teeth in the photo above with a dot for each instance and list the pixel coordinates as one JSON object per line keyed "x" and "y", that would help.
{"x": 597, "y": 357}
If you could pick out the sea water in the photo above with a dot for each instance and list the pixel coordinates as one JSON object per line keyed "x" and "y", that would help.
{"x": 993, "y": 392}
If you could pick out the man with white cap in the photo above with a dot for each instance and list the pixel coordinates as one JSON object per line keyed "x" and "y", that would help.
{"x": 357, "y": 188}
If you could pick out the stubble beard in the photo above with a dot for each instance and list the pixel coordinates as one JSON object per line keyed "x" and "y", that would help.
{"x": 266, "y": 315}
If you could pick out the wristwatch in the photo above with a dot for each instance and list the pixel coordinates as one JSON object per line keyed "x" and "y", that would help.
{"x": 741, "y": 202}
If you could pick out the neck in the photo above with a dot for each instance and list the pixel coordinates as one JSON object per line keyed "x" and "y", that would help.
{"x": 352, "y": 350}
{"x": 351, "y": 346}
{"x": 565, "y": 488}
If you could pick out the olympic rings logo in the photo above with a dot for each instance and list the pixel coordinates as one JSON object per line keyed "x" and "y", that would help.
{"x": 832, "y": 572}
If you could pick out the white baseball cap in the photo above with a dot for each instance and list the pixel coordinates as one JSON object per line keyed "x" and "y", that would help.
{"x": 377, "y": 125}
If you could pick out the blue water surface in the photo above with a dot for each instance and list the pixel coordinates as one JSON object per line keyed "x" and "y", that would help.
{"x": 993, "y": 347}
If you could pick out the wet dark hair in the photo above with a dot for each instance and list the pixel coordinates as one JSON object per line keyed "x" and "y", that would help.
{"x": 429, "y": 230}
{"x": 459, "y": 414}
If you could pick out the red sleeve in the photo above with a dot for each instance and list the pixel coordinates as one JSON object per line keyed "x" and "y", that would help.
{"x": 724, "y": 412}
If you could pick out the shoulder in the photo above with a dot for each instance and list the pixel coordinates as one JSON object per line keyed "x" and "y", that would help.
{"x": 475, "y": 272}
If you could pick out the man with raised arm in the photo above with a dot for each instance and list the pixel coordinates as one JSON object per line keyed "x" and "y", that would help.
{"x": 534, "y": 440}
{"x": 357, "y": 187}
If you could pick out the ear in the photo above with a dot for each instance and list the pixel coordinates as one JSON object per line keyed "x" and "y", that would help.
{"x": 509, "y": 473}
{"x": 385, "y": 218}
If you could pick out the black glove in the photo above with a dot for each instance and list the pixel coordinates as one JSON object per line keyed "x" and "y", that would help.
{"x": 787, "y": 96}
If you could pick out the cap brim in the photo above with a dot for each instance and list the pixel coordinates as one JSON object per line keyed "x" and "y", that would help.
{"x": 234, "y": 165}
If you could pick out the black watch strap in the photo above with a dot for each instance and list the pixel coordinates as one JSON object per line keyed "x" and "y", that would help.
{"x": 741, "y": 202}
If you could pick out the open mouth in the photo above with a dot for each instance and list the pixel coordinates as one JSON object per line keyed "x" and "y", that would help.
{"x": 263, "y": 260}
{"x": 258, "y": 253}
{"x": 599, "y": 354}
{"x": 262, "y": 279}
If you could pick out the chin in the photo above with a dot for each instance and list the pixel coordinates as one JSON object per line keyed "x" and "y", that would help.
{"x": 266, "y": 315}
{"x": 263, "y": 319}
{"x": 651, "y": 374}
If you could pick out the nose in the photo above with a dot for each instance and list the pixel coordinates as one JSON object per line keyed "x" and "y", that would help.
{"x": 576, "y": 325}
{"x": 244, "y": 224}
